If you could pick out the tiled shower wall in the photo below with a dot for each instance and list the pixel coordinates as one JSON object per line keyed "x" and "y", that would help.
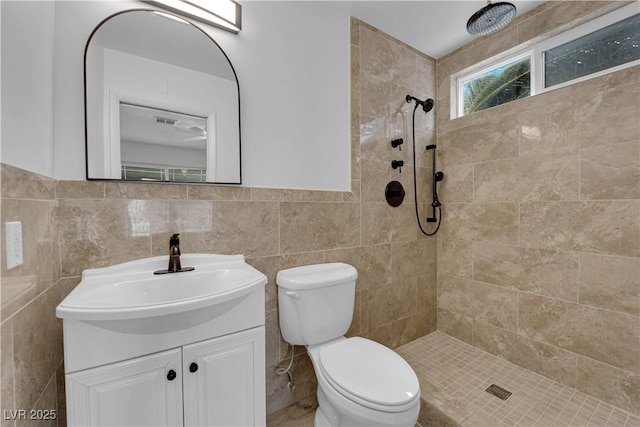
{"x": 538, "y": 257}
{"x": 70, "y": 226}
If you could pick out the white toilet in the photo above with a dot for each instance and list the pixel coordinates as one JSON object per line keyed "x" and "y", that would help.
{"x": 360, "y": 382}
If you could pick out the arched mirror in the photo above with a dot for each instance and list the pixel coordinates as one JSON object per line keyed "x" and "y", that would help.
{"x": 162, "y": 102}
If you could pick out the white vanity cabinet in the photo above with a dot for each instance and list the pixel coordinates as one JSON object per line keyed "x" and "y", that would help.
{"x": 224, "y": 380}
{"x": 185, "y": 349}
{"x": 218, "y": 382}
{"x": 131, "y": 393}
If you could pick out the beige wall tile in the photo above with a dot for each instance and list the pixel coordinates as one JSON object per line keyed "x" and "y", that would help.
{"x": 250, "y": 228}
{"x": 550, "y": 18}
{"x": 375, "y": 94}
{"x": 457, "y": 186}
{"x": 270, "y": 266}
{"x": 6, "y": 359}
{"x": 455, "y": 324}
{"x": 480, "y": 143}
{"x": 610, "y": 172}
{"x": 410, "y": 259}
{"x": 46, "y": 402}
{"x": 372, "y": 262}
{"x": 394, "y": 301}
{"x": 211, "y": 192}
{"x": 545, "y": 272}
{"x": 616, "y": 386}
{"x": 544, "y": 359}
{"x": 411, "y": 328}
{"x": 142, "y": 190}
{"x": 610, "y": 282}
{"x": 600, "y": 227}
{"x": 37, "y": 347}
{"x": 484, "y": 222}
{"x": 479, "y": 301}
{"x": 22, "y": 184}
{"x": 546, "y": 122}
{"x": 455, "y": 258}
{"x": 606, "y": 116}
{"x": 382, "y": 224}
{"x": 528, "y": 179}
{"x": 603, "y": 335}
{"x": 80, "y": 189}
{"x": 315, "y": 226}
{"x": 39, "y": 236}
{"x": 98, "y": 233}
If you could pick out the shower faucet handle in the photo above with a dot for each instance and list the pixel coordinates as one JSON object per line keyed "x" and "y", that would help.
{"x": 397, "y": 143}
{"x": 395, "y": 164}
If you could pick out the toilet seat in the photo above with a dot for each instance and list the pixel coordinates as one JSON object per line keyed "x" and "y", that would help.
{"x": 370, "y": 374}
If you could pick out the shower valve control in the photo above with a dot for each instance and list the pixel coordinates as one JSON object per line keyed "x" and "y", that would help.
{"x": 395, "y": 164}
{"x": 397, "y": 143}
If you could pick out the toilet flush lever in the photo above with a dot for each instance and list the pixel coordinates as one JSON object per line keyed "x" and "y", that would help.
{"x": 293, "y": 294}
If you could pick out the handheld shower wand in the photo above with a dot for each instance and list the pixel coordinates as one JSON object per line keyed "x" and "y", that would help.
{"x": 427, "y": 105}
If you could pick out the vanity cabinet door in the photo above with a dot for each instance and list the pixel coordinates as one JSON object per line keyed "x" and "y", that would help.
{"x": 145, "y": 391}
{"x": 224, "y": 380}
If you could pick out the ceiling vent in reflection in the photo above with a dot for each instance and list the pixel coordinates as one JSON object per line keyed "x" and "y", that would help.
{"x": 165, "y": 121}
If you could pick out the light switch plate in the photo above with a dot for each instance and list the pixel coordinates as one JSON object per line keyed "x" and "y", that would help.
{"x": 13, "y": 240}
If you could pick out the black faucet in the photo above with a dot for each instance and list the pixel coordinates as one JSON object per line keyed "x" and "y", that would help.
{"x": 174, "y": 254}
{"x": 174, "y": 257}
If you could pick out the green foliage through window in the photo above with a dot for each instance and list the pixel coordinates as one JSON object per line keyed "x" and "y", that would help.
{"x": 498, "y": 86}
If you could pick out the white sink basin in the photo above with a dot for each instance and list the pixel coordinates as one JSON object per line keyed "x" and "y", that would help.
{"x": 113, "y": 297}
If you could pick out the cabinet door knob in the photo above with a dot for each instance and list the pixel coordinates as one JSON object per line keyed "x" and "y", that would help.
{"x": 193, "y": 367}
{"x": 171, "y": 375}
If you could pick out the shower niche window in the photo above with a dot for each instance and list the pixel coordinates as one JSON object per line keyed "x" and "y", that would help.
{"x": 160, "y": 145}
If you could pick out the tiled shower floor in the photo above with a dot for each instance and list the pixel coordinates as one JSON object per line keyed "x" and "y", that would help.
{"x": 454, "y": 376}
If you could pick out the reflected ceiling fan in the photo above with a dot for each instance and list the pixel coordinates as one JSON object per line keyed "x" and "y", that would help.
{"x": 192, "y": 125}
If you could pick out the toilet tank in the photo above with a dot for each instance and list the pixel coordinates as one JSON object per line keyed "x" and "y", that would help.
{"x": 316, "y": 302}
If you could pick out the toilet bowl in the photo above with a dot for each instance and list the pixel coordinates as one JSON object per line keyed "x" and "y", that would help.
{"x": 360, "y": 382}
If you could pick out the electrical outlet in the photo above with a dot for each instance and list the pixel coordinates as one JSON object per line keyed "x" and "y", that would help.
{"x": 13, "y": 240}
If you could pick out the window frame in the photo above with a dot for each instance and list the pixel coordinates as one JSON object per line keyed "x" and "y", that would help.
{"x": 462, "y": 80}
{"x": 536, "y": 54}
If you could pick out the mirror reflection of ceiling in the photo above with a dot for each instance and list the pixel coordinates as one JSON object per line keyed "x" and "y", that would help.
{"x": 139, "y": 34}
{"x": 158, "y": 127}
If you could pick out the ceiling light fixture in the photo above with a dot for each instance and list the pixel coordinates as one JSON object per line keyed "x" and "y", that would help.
{"x": 224, "y": 14}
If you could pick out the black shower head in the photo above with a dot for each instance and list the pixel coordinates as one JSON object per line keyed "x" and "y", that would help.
{"x": 491, "y": 18}
{"x": 427, "y": 104}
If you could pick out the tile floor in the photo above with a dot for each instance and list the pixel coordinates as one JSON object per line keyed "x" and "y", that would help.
{"x": 453, "y": 378}
{"x": 299, "y": 415}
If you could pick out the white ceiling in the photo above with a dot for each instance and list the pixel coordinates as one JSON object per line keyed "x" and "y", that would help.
{"x": 435, "y": 27}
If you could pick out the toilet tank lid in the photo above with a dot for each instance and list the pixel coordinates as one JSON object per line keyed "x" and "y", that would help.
{"x": 316, "y": 275}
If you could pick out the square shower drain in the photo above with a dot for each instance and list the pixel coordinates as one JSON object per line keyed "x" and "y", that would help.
{"x": 498, "y": 391}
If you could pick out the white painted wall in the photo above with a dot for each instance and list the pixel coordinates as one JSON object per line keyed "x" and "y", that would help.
{"x": 27, "y": 87}
{"x": 292, "y": 61}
